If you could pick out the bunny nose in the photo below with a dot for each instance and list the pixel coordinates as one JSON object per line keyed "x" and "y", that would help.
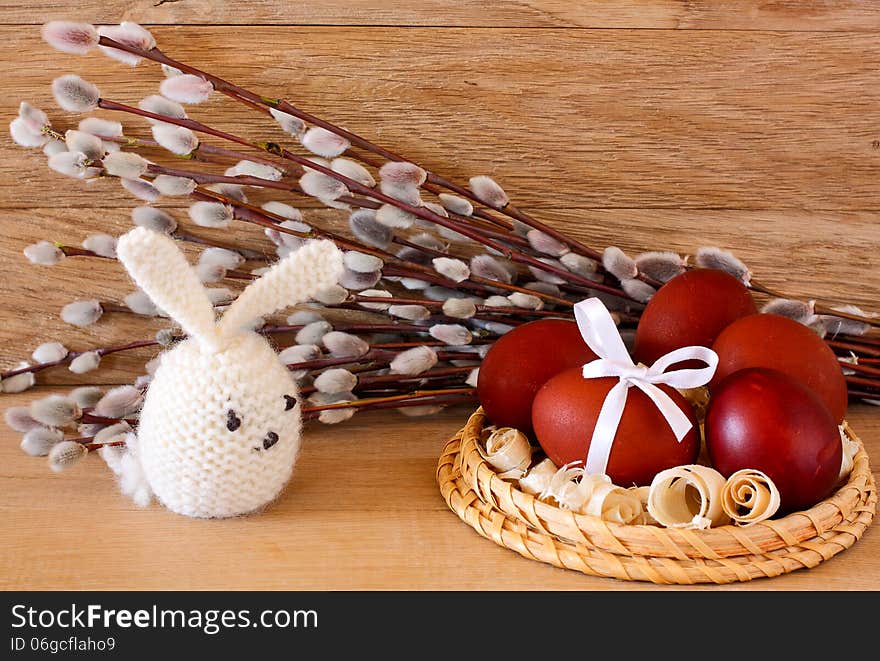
{"x": 270, "y": 440}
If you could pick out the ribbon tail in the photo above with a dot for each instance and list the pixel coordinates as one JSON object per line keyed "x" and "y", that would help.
{"x": 678, "y": 421}
{"x": 606, "y": 429}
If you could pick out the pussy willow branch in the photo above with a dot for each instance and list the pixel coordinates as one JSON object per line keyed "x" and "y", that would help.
{"x": 366, "y": 191}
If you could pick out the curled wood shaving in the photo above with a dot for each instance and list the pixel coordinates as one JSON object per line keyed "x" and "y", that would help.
{"x": 687, "y": 497}
{"x": 576, "y": 490}
{"x": 538, "y": 477}
{"x": 850, "y": 448}
{"x": 508, "y": 451}
{"x": 749, "y": 496}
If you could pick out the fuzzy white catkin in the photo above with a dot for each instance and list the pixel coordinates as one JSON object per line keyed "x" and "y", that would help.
{"x": 53, "y": 147}
{"x": 409, "y": 312}
{"x": 153, "y": 219}
{"x": 362, "y": 262}
{"x": 546, "y": 244}
{"x": 101, "y": 244}
{"x": 393, "y": 217}
{"x": 455, "y": 204}
{"x": 54, "y": 410}
{"x": 358, "y": 280}
{"x": 43, "y": 253}
{"x": 548, "y": 276}
{"x": 660, "y": 266}
{"x": 74, "y": 94}
{"x": 82, "y": 313}
{"x": 344, "y": 345}
{"x": 234, "y": 191}
{"x": 19, "y": 382}
{"x": 300, "y": 353}
{"x": 332, "y": 295}
{"x": 186, "y": 88}
{"x": 69, "y": 37}
{"x": 130, "y": 34}
{"x": 335, "y": 380}
{"x": 49, "y": 352}
{"x": 125, "y": 164}
{"x": 65, "y": 454}
{"x": 799, "y": 311}
{"x": 454, "y": 269}
{"x": 322, "y": 186}
{"x": 486, "y": 266}
{"x": 401, "y": 173}
{"x": 638, "y": 290}
{"x": 70, "y": 163}
{"x": 348, "y": 168}
{"x": 19, "y": 419}
{"x": 85, "y": 362}
{"x": 579, "y": 264}
{"x": 119, "y": 402}
{"x": 526, "y": 301}
{"x": 210, "y": 214}
{"x": 715, "y": 258}
{"x": 34, "y": 118}
{"x": 288, "y": 123}
{"x": 112, "y": 433}
{"x": 159, "y": 105}
{"x": 414, "y": 361}
{"x": 323, "y": 143}
{"x": 375, "y": 293}
{"x": 303, "y": 317}
{"x": 312, "y": 333}
{"x": 461, "y": 308}
{"x": 86, "y": 143}
{"x": 409, "y": 194}
{"x": 99, "y": 126}
{"x": 176, "y": 139}
{"x": 258, "y": 170}
{"x": 87, "y": 396}
{"x": 619, "y": 264}
{"x": 367, "y": 229}
{"x": 143, "y": 190}
{"x": 140, "y": 303}
{"x": 228, "y": 259}
{"x": 451, "y": 334}
{"x": 489, "y": 192}
{"x": 25, "y": 136}
{"x": 174, "y": 186}
{"x": 39, "y": 442}
{"x": 282, "y": 209}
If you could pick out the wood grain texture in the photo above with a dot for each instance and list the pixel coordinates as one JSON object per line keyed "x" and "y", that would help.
{"x": 387, "y": 529}
{"x": 812, "y": 15}
{"x": 564, "y": 118}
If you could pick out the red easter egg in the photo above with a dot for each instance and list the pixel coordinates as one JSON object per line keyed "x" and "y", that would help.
{"x": 691, "y": 309}
{"x": 519, "y": 363}
{"x": 767, "y": 420}
{"x": 564, "y": 416}
{"x": 780, "y": 343}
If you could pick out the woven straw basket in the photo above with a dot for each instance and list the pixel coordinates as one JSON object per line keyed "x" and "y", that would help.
{"x": 498, "y": 509}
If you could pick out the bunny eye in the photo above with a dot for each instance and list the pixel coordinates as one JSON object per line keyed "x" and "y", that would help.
{"x": 233, "y": 422}
{"x": 270, "y": 440}
{"x": 289, "y": 402}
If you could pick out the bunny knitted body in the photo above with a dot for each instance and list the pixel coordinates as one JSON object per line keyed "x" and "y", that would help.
{"x": 219, "y": 430}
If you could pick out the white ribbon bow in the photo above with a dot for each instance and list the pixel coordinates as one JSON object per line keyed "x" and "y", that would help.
{"x": 601, "y": 335}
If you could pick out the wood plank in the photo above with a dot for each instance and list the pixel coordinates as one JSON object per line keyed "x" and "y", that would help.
{"x": 816, "y": 15}
{"x": 570, "y": 119}
{"x": 826, "y": 255}
{"x": 362, "y": 512}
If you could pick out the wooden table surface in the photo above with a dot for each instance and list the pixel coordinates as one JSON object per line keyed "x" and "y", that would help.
{"x": 648, "y": 124}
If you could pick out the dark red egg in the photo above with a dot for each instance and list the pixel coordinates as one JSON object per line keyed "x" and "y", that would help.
{"x": 519, "y": 363}
{"x": 691, "y": 309}
{"x": 564, "y": 416}
{"x": 780, "y": 343}
{"x": 767, "y": 420}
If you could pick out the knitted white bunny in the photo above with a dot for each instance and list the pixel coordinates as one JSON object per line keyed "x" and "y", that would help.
{"x": 219, "y": 430}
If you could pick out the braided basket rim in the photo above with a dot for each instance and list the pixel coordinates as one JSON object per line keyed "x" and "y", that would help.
{"x": 855, "y": 498}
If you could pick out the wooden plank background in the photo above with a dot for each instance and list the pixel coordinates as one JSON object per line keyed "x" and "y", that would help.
{"x": 648, "y": 124}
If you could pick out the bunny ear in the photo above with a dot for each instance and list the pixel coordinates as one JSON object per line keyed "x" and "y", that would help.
{"x": 159, "y": 268}
{"x": 296, "y": 278}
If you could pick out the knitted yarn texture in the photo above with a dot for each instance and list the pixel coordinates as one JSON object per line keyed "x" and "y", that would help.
{"x": 219, "y": 430}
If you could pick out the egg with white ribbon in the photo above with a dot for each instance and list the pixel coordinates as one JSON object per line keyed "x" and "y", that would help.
{"x": 617, "y": 417}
